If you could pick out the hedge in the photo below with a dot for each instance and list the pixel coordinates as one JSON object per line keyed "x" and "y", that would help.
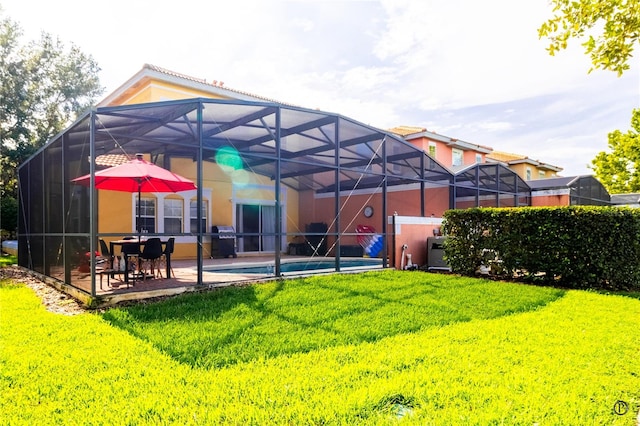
{"x": 583, "y": 247}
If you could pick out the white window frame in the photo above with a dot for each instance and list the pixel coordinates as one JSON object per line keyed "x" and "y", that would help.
{"x": 145, "y": 212}
{"x": 159, "y": 200}
{"x": 173, "y": 209}
{"x": 455, "y": 154}
{"x": 193, "y": 215}
{"x": 433, "y": 150}
{"x": 528, "y": 173}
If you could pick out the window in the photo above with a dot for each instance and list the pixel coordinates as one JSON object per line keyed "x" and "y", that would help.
{"x": 541, "y": 174}
{"x": 172, "y": 216}
{"x": 478, "y": 158}
{"x": 193, "y": 213}
{"x": 456, "y": 157}
{"x": 528, "y": 173}
{"x": 147, "y": 215}
{"x": 432, "y": 150}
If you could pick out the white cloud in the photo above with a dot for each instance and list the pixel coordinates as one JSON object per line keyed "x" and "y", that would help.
{"x": 467, "y": 53}
{"x": 475, "y": 71}
{"x": 495, "y": 126}
{"x": 305, "y": 25}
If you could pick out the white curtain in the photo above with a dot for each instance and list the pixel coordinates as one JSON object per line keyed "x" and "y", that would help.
{"x": 268, "y": 225}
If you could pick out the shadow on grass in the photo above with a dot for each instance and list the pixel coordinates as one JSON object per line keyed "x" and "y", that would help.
{"x": 630, "y": 294}
{"x": 241, "y": 324}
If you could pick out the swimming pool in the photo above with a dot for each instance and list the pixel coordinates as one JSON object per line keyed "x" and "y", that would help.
{"x": 295, "y": 266}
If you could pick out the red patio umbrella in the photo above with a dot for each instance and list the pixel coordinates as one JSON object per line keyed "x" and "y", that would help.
{"x": 137, "y": 175}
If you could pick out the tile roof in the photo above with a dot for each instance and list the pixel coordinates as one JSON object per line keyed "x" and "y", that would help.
{"x": 507, "y": 157}
{"x": 173, "y": 73}
{"x": 406, "y": 130}
{"x": 411, "y": 132}
{"x": 214, "y": 83}
{"x": 110, "y": 160}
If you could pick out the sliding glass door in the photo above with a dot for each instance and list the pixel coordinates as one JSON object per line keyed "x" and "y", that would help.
{"x": 256, "y": 224}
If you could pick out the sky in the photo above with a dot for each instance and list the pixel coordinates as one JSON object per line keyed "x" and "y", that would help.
{"x": 474, "y": 71}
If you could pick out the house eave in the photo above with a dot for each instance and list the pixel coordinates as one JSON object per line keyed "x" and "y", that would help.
{"x": 454, "y": 143}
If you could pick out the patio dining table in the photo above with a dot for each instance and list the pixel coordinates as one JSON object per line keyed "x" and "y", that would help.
{"x": 140, "y": 244}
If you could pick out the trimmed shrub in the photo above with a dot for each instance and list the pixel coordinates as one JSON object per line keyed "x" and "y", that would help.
{"x": 584, "y": 247}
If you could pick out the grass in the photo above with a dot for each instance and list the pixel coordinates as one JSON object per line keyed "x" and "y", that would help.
{"x": 242, "y": 324}
{"x": 8, "y": 259}
{"x": 377, "y": 348}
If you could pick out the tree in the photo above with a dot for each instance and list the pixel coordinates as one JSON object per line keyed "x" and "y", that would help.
{"x": 44, "y": 87}
{"x": 619, "y": 169}
{"x": 9, "y": 217}
{"x": 618, "y": 21}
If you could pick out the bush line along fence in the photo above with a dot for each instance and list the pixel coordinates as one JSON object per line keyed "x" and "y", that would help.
{"x": 582, "y": 247}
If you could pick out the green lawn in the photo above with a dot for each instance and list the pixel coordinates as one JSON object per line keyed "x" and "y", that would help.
{"x": 375, "y": 348}
{"x": 6, "y": 260}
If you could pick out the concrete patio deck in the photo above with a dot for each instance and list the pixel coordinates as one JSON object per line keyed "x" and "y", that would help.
{"x": 185, "y": 280}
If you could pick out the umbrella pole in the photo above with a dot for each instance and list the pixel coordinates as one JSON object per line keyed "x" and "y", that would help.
{"x": 139, "y": 225}
{"x": 139, "y": 228}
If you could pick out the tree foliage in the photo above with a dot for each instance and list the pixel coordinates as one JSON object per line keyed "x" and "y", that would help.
{"x": 611, "y": 28}
{"x": 9, "y": 217}
{"x": 45, "y": 85}
{"x": 619, "y": 169}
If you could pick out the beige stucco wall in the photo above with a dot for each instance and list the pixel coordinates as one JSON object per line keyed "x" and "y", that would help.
{"x": 226, "y": 187}
{"x": 154, "y": 90}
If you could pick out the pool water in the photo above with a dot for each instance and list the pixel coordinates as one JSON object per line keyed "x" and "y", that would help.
{"x": 299, "y": 266}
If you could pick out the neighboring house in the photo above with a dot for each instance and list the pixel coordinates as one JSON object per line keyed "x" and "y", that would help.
{"x": 450, "y": 152}
{"x": 527, "y": 168}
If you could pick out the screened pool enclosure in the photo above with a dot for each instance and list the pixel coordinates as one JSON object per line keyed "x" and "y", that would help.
{"x": 282, "y": 181}
{"x": 299, "y": 167}
{"x": 489, "y": 185}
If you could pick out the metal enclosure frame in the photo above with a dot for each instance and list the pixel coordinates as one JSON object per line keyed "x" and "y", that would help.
{"x": 303, "y": 149}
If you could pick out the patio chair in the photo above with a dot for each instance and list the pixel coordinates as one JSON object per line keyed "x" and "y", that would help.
{"x": 150, "y": 254}
{"x": 131, "y": 251}
{"x": 168, "y": 250}
{"x": 107, "y": 268}
{"x": 104, "y": 251}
